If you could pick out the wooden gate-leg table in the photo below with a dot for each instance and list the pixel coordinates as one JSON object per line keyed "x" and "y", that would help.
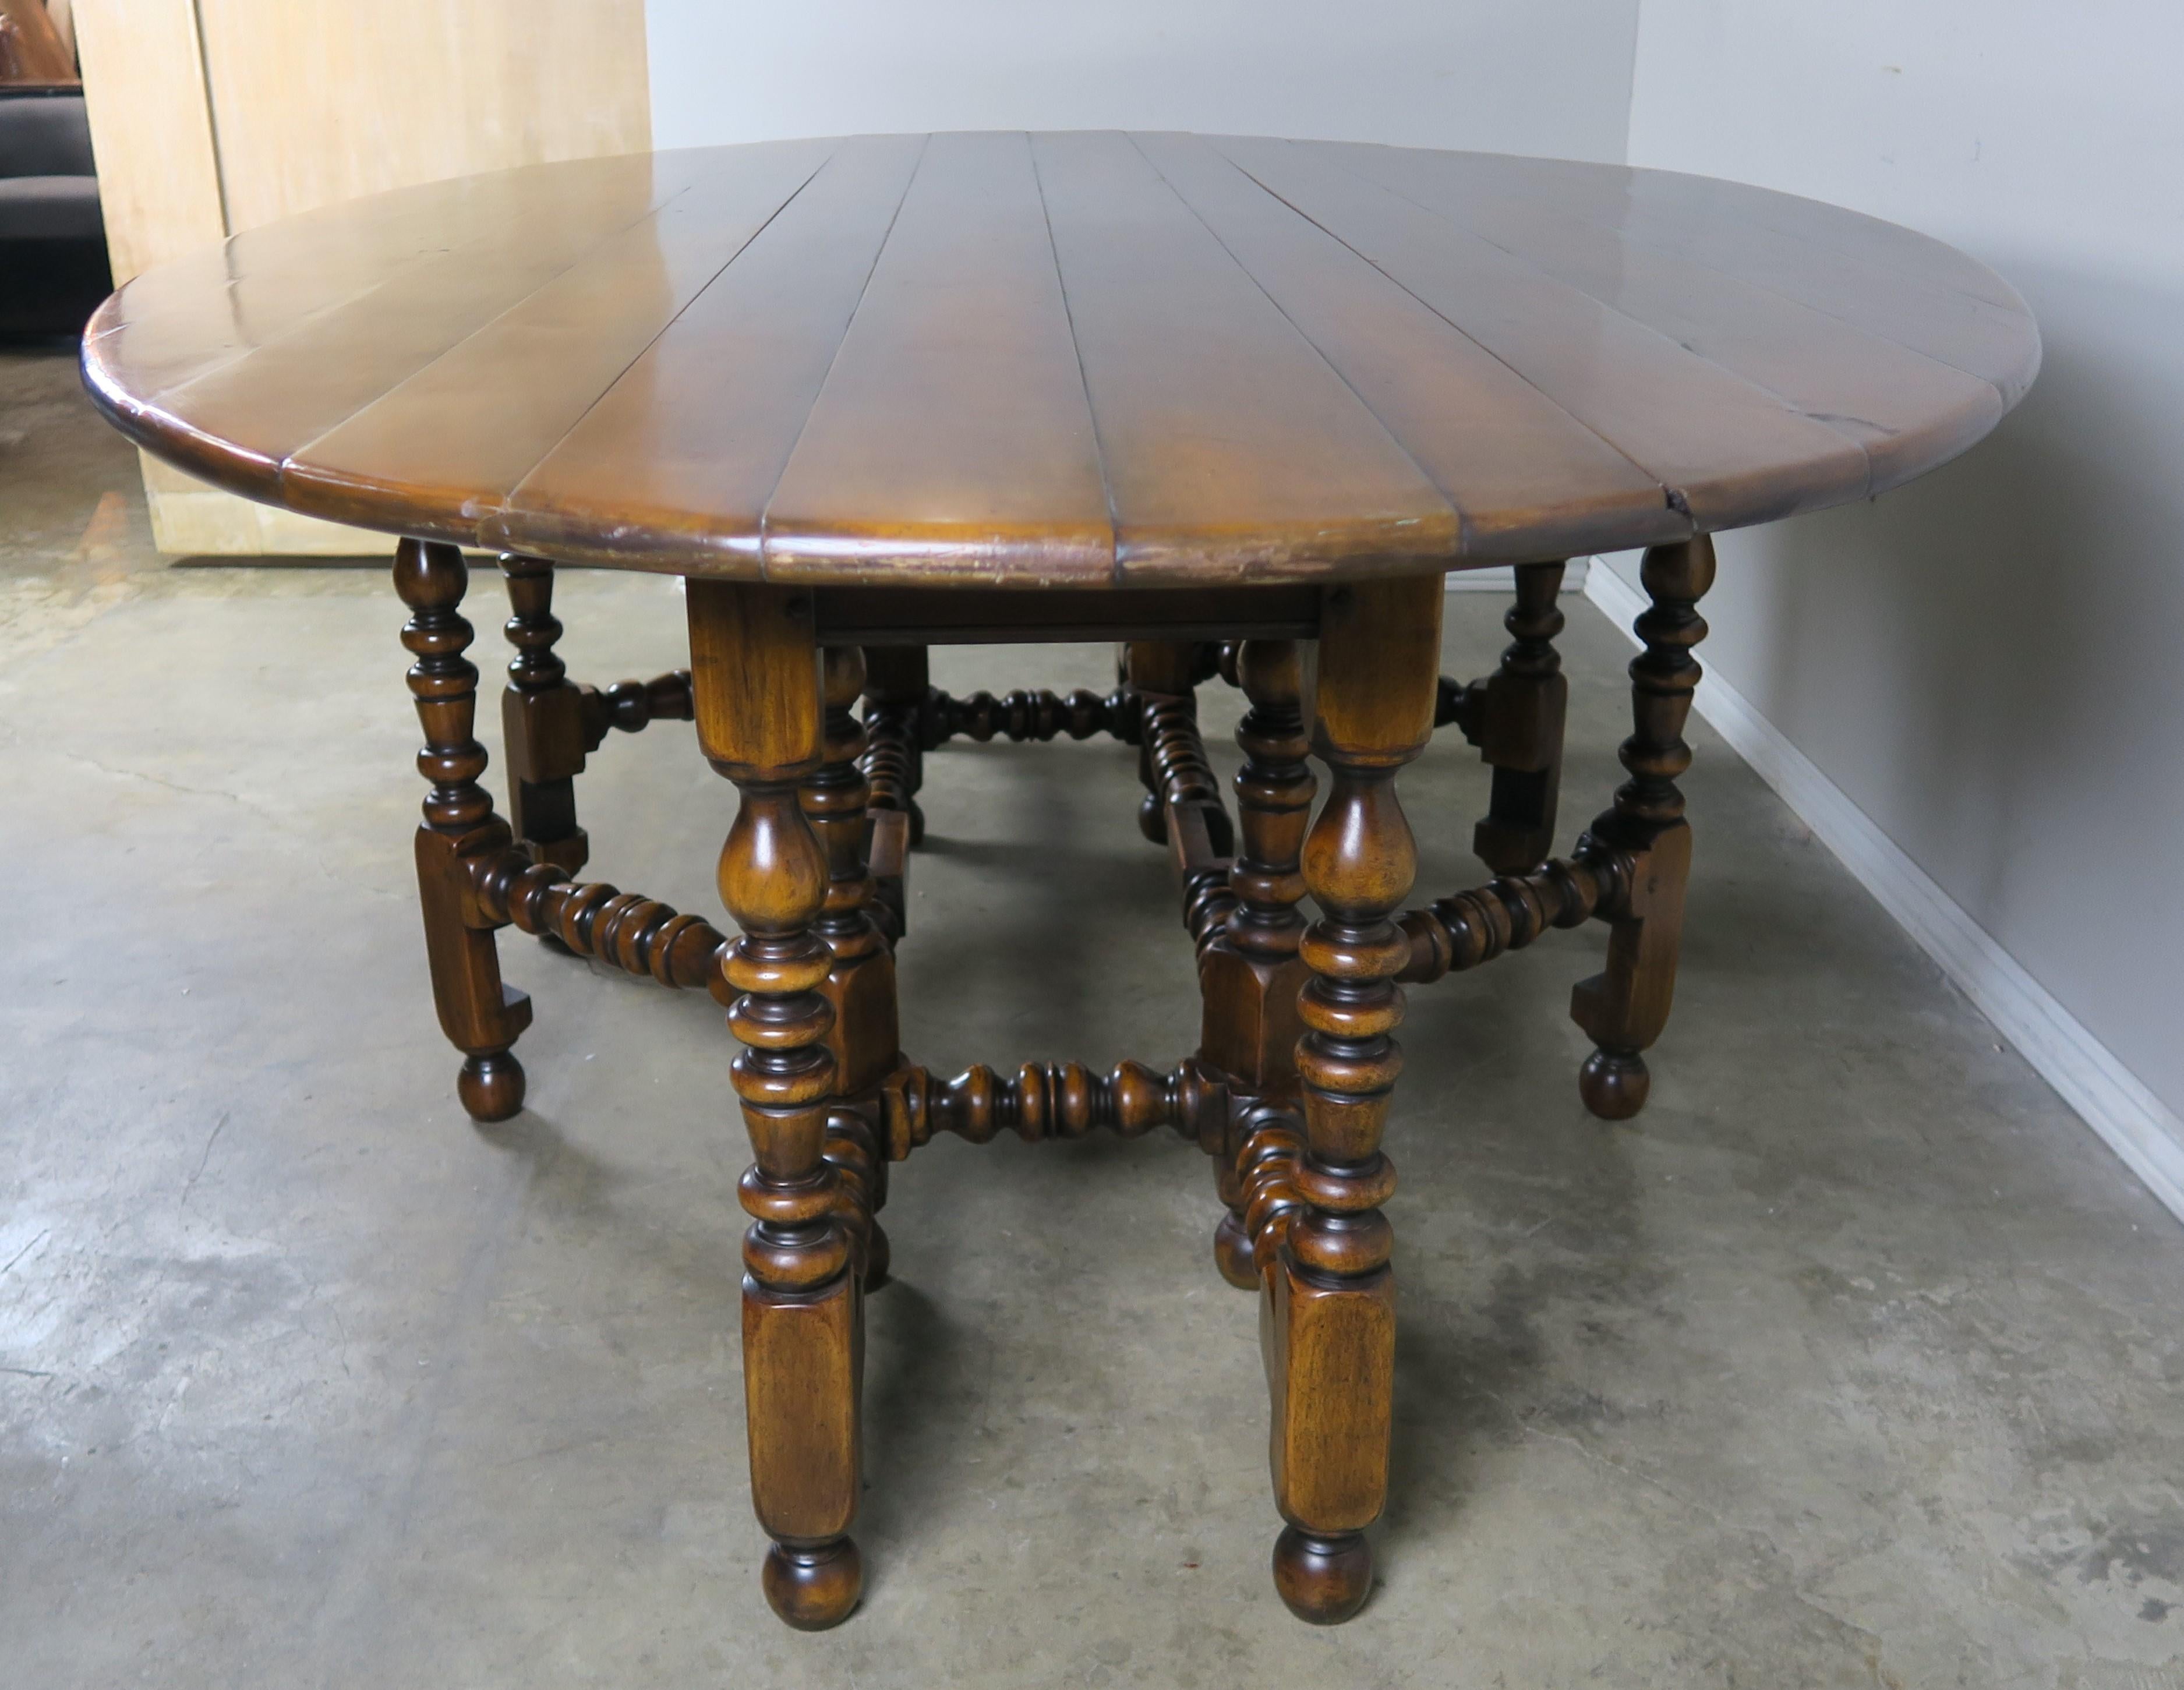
{"x": 1290, "y": 1086}
{"x": 1236, "y": 404}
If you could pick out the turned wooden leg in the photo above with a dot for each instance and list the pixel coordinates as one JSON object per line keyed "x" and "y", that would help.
{"x": 1330, "y": 1319}
{"x": 756, "y": 677}
{"x": 1162, "y": 669}
{"x": 865, "y": 1038}
{"x": 1249, "y": 976}
{"x": 897, "y": 678}
{"x": 541, "y": 722}
{"x": 480, "y": 1016}
{"x": 1623, "y": 1010}
{"x": 1521, "y": 729}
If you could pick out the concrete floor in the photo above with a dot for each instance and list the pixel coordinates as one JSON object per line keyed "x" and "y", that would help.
{"x": 1856, "y": 1362}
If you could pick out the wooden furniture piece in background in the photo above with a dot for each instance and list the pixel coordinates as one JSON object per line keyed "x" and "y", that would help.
{"x": 34, "y": 48}
{"x": 52, "y": 249}
{"x": 212, "y": 117}
{"x": 1238, "y": 404}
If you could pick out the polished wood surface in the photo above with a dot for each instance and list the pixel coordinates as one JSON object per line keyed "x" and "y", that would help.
{"x": 1081, "y": 359}
{"x": 212, "y": 117}
{"x": 1248, "y": 399}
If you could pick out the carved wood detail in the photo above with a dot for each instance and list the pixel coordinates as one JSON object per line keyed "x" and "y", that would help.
{"x": 1511, "y": 910}
{"x": 1290, "y": 1086}
{"x": 1623, "y": 1008}
{"x": 636, "y": 933}
{"x": 1053, "y": 1100}
{"x": 480, "y": 1016}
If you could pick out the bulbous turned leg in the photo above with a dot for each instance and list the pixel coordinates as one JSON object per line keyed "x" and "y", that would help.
{"x": 480, "y": 1016}
{"x": 542, "y": 722}
{"x": 896, "y": 683}
{"x": 1330, "y": 1320}
{"x": 1521, "y": 729}
{"x": 1625, "y": 1008}
{"x": 1162, "y": 669}
{"x": 1250, "y": 974}
{"x": 865, "y": 1038}
{"x": 1232, "y": 1253}
{"x": 756, "y": 682}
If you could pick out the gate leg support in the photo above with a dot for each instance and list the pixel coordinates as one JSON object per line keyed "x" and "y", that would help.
{"x": 1624, "y": 1009}
{"x": 1250, "y": 976}
{"x": 541, "y": 722}
{"x": 480, "y": 1016}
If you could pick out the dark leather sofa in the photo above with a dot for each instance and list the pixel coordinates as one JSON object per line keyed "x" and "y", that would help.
{"x": 53, "y": 242}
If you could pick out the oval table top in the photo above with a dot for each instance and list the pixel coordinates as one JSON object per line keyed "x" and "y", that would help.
{"x": 1076, "y": 359}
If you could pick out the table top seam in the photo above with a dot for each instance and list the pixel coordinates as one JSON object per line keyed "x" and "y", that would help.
{"x": 849, "y": 322}
{"x": 1464, "y": 526}
{"x": 506, "y": 507}
{"x": 1539, "y": 269}
{"x": 1654, "y": 244}
{"x": 1671, "y": 496}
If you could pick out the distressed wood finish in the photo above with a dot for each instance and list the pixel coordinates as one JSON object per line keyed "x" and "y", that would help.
{"x": 1079, "y": 360}
{"x": 1234, "y": 404}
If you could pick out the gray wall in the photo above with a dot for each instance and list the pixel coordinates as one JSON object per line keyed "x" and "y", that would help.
{"x": 1549, "y": 77}
{"x": 1989, "y": 663}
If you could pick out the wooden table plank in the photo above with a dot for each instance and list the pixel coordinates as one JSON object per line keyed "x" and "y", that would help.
{"x": 462, "y": 432}
{"x": 237, "y": 424}
{"x": 661, "y": 465}
{"x": 1727, "y": 450}
{"x": 1503, "y": 453}
{"x": 185, "y": 319}
{"x": 1905, "y": 409}
{"x": 1955, "y": 312}
{"x": 1232, "y": 450}
{"x": 952, "y": 433}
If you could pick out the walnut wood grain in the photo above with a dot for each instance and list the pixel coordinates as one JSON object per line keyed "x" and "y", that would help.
{"x": 1082, "y": 361}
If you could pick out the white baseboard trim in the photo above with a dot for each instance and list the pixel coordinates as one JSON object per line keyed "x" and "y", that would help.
{"x": 2111, "y": 1100}
{"x": 1503, "y": 579}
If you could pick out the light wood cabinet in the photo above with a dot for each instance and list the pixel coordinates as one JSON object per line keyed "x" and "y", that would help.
{"x": 210, "y": 117}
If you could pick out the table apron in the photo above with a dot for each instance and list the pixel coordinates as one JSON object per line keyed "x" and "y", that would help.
{"x": 897, "y": 616}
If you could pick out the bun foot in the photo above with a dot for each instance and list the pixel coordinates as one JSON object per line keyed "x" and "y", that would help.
{"x": 1232, "y": 1253}
{"x": 491, "y": 1086}
{"x": 1322, "y": 1580}
{"x": 812, "y": 1589}
{"x": 1614, "y": 1083}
